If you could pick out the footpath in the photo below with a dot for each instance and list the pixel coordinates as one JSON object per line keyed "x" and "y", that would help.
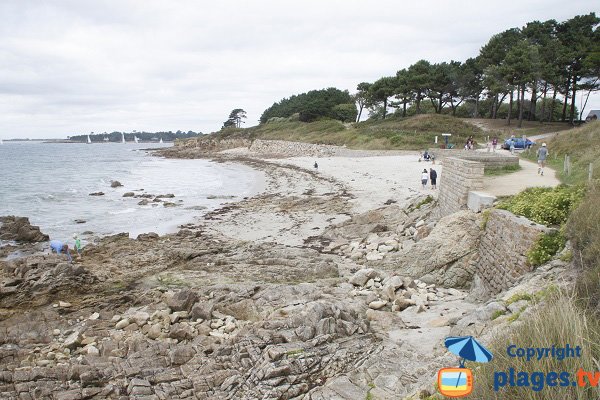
{"x": 527, "y": 176}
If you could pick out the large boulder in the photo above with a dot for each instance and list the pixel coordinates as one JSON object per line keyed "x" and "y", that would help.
{"x": 20, "y": 230}
{"x": 446, "y": 256}
{"x": 180, "y": 301}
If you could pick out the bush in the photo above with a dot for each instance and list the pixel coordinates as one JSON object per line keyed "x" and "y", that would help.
{"x": 547, "y": 206}
{"x": 345, "y": 112}
{"x": 545, "y": 248}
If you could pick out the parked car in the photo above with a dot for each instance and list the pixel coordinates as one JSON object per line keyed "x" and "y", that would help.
{"x": 518, "y": 142}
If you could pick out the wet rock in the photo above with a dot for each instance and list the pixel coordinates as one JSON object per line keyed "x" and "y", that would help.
{"x": 20, "y": 230}
{"x": 115, "y": 184}
{"x": 97, "y": 194}
{"x": 80, "y": 221}
{"x": 147, "y": 236}
{"x": 128, "y": 194}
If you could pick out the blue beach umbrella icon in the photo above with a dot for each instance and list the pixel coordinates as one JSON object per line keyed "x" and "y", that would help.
{"x": 467, "y": 348}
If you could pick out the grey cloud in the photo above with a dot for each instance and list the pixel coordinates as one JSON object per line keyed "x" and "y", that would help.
{"x": 75, "y": 66}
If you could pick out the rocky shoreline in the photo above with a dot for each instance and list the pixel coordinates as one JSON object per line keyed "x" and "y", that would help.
{"x": 296, "y": 293}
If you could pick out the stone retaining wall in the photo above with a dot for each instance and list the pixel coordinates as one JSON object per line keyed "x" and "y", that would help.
{"x": 489, "y": 160}
{"x": 460, "y": 176}
{"x": 214, "y": 145}
{"x": 282, "y": 148}
{"x": 503, "y": 250}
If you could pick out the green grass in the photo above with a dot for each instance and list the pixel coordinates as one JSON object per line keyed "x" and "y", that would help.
{"x": 518, "y": 297}
{"x": 505, "y": 170}
{"x": 413, "y": 133}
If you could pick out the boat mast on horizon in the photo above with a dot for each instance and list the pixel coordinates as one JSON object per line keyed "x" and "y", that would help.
{"x": 122, "y": 137}
{"x": 89, "y": 140}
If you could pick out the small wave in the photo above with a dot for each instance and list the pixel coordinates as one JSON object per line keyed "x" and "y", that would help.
{"x": 125, "y": 211}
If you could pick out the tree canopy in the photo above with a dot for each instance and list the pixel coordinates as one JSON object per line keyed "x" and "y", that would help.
{"x": 539, "y": 60}
{"x": 313, "y": 105}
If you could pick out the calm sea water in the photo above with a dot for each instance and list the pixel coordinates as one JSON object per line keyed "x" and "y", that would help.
{"x": 50, "y": 183}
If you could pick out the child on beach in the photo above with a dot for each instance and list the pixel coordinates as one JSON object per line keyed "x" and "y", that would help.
{"x": 77, "y": 245}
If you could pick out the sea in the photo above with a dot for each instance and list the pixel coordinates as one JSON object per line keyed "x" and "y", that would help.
{"x": 50, "y": 183}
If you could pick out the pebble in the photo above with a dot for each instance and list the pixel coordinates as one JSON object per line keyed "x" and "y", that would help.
{"x": 377, "y": 304}
{"x": 122, "y": 323}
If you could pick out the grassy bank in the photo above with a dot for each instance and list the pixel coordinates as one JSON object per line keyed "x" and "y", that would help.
{"x": 414, "y": 133}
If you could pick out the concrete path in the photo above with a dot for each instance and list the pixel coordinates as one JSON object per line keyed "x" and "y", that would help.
{"x": 510, "y": 184}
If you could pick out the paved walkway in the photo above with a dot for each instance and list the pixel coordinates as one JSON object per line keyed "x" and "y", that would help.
{"x": 527, "y": 176}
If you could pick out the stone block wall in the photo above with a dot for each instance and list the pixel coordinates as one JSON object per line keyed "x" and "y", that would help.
{"x": 503, "y": 250}
{"x": 282, "y": 148}
{"x": 459, "y": 178}
{"x": 213, "y": 145}
{"x": 489, "y": 160}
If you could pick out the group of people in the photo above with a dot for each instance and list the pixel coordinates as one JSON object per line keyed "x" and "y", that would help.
{"x": 58, "y": 247}
{"x": 427, "y": 157}
{"x": 470, "y": 145}
{"x": 429, "y": 176}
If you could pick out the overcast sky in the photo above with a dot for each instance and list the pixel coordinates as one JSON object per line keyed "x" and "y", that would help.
{"x": 75, "y": 66}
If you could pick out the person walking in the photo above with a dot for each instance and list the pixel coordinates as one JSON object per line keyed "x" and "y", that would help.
{"x": 58, "y": 247}
{"x": 542, "y": 154}
{"x": 494, "y": 143}
{"x": 424, "y": 178}
{"x": 433, "y": 178}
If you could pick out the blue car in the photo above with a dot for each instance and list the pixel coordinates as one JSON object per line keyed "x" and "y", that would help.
{"x": 519, "y": 143}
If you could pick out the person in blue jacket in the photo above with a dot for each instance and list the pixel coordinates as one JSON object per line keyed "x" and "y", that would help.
{"x": 58, "y": 247}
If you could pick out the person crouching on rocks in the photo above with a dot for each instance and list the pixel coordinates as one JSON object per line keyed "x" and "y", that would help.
{"x": 58, "y": 247}
{"x": 424, "y": 178}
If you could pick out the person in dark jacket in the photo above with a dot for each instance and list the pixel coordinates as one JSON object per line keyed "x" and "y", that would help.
{"x": 433, "y": 178}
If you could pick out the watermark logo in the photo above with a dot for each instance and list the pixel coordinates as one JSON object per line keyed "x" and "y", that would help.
{"x": 455, "y": 382}
{"x": 458, "y": 382}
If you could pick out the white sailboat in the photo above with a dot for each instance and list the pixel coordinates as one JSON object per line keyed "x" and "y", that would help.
{"x": 1, "y": 142}
{"x": 135, "y": 139}
{"x": 89, "y": 140}
{"x": 160, "y": 141}
{"x": 122, "y": 137}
